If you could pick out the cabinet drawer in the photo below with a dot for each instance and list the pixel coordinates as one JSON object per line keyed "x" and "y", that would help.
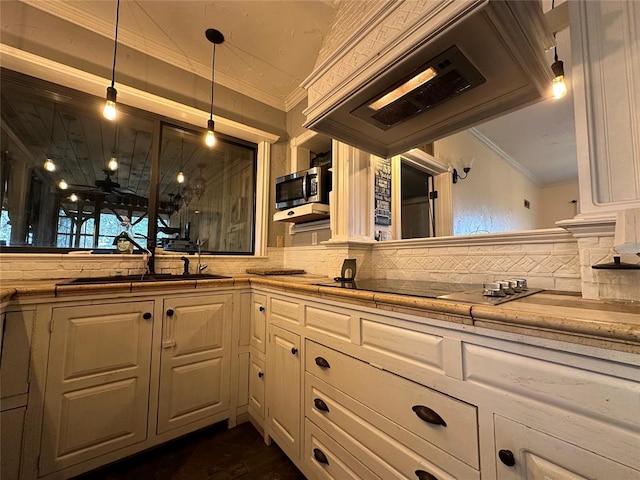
{"x": 448, "y": 423}
{"x": 285, "y": 310}
{"x": 337, "y": 324}
{"x": 328, "y": 460}
{"x": 390, "y": 451}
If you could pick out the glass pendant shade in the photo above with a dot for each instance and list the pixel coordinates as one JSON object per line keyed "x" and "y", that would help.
{"x": 73, "y": 197}
{"x": 180, "y": 177}
{"x": 49, "y": 166}
{"x": 63, "y": 185}
{"x": 200, "y": 183}
{"x": 187, "y": 195}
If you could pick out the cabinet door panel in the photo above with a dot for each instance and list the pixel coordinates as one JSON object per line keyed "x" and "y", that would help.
{"x": 283, "y": 389}
{"x": 195, "y": 360}
{"x": 539, "y": 456}
{"x": 258, "y": 322}
{"x": 97, "y": 389}
{"x": 256, "y": 387}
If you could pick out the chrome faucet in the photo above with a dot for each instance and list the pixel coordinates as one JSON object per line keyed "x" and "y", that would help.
{"x": 199, "y": 243}
{"x": 149, "y": 259}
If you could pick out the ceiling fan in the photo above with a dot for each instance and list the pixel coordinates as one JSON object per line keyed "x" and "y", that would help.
{"x": 109, "y": 191}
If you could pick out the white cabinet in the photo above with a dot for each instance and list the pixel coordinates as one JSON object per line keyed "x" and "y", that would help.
{"x": 97, "y": 389}
{"x": 194, "y": 367}
{"x": 258, "y": 322}
{"x": 525, "y": 453}
{"x": 256, "y": 388}
{"x": 284, "y": 389}
{"x": 15, "y": 351}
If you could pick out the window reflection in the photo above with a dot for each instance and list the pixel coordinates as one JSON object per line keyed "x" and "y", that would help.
{"x": 214, "y": 206}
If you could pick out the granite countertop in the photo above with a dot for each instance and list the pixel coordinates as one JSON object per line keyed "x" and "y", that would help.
{"x": 556, "y": 315}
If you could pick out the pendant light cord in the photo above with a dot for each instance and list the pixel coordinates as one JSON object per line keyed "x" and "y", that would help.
{"x": 555, "y": 44}
{"x": 115, "y": 45}
{"x": 213, "y": 76}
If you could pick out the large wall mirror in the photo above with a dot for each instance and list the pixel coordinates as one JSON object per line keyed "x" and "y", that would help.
{"x": 523, "y": 173}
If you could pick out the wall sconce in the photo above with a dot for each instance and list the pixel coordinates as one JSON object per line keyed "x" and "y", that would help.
{"x": 109, "y": 111}
{"x": 458, "y": 176}
{"x": 215, "y": 37}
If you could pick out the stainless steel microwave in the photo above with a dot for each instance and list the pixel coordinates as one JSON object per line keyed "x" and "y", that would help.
{"x": 307, "y": 186}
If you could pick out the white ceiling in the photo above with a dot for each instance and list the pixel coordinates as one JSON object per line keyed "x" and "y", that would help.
{"x": 271, "y": 47}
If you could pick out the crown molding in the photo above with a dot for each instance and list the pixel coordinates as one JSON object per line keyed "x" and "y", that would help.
{"x": 504, "y": 155}
{"x": 133, "y": 39}
{"x": 294, "y": 98}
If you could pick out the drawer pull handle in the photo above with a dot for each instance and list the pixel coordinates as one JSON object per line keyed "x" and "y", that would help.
{"x": 321, "y": 362}
{"x": 506, "y": 457}
{"x": 260, "y": 374}
{"x": 294, "y": 350}
{"x": 320, "y": 404}
{"x": 428, "y": 415}
{"x": 261, "y": 308}
{"x": 422, "y": 475}
{"x": 170, "y": 313}
{"x": 320, "y": 456}
{"x": 146, "y": 315}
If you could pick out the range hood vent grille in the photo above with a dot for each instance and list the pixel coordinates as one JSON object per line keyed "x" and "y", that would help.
{"x": 454, "y": 75}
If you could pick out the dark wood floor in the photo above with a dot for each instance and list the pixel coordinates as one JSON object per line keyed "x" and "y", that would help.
{"x": 215, "y": 453}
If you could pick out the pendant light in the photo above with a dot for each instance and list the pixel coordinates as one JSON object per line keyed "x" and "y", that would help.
{"x": 109, "y": 111}
{"x": 558, "y": 86}
{"x": 180, "y": 176}
{"x": 62, "y": 185}
{"x": 113, "y": 161}
{"x": 215, "y": 37}
{"x": 49, "y": 164}
{"x": 200, "y": 183}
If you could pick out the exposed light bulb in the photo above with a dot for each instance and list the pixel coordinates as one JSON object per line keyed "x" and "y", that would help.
{"x": 113, "y": 164}
{"x": 559, "y": 88}
{"x": 180, "y": 177}
{"x": 63, "y": 185}
{"x": 49, "y": 166}
{"x": 73, "y": 197}
{"x": 210, "y": 138}
{"x": 109, "y": 111}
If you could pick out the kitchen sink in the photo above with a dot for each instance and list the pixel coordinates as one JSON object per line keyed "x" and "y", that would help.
{"x": 156, "y": 277}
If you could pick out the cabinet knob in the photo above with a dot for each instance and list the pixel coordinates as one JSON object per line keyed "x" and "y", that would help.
{"x": 146, "y": 315}
{"x": 320, "y": 456}
{"x": 320, "y": 404}
{"x": 260, "y": 374}
{"x": 422, "y": 475}
{"x": 294, "y": 350}
{"x": 261, "y": 308}
{"x": 321, "y": 362}
{"x": 170, "y": 313}
{"x": 428, "y": 415}
{"x": 507, "y": 457}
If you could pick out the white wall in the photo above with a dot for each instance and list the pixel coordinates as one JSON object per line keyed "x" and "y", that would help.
{"x": 491, "y": 198}
{"x": 557, "y": 203}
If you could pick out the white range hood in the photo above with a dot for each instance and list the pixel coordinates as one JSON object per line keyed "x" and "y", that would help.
{"x": 480, "y": 58}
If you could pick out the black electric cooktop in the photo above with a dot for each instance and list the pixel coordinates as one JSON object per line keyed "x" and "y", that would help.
{"x": 465, "y": 292}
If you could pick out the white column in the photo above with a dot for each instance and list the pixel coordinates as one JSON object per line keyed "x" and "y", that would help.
{"x": 605, "y": 44}
{"x": 352, "y": 195}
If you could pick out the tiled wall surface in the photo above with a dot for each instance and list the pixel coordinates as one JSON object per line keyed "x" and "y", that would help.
{"x": 606, "y": 284}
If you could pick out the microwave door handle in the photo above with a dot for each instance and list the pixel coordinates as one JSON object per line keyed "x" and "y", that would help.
{"x": 304, "y": 186}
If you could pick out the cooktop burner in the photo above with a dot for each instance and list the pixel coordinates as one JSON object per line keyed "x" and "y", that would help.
{"x": 464, "y": 292}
